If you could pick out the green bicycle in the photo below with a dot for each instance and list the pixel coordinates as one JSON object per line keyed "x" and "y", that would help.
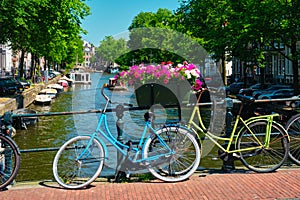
{"x": 260, "y": 143}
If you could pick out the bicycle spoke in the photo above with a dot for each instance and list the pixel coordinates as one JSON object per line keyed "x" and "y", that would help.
{"x": 78, "y": 162}
{"x": 184, "y": 159}
{"x": 293, "y": 129}
{"x": 263, "y": 158}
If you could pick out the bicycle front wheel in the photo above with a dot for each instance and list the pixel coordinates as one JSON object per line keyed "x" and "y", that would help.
{"x": 255, "y": 155}
{"x": 78, "y": 162}
{"x": 293, "y": 128}
{"x": 181, "y": 163}
{"x": 9, "y": 161}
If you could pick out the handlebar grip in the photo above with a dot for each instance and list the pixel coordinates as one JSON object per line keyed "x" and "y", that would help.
{"x": 102, "y": 92}
{"x": 128, "y": 104}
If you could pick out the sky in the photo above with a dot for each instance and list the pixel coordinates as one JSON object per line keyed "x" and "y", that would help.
{"x": 113, "y": 17}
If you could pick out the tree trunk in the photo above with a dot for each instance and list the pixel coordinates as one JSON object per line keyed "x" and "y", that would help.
{"x": 224, "y": 69}
{"x": 21, "y": 65}
{"x": 32, "y": 66}
{"x": 295, "y": 67}
{"x": 262, "y": 76}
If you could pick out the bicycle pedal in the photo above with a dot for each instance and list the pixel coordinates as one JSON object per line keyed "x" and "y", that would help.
{"x": 235, "y": 155}
{"x": 214, "y": 158}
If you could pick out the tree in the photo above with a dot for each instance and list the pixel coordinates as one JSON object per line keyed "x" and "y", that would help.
{"x": 154, "y": 39}
{"x": 244, "y": 28}
{"x": 110, "y": 49}
{"x": 285, "y": 26}
{"x": 43, "y": 27}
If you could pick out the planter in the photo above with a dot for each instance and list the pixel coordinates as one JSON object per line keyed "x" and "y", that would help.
{"x": 172, "y": 94}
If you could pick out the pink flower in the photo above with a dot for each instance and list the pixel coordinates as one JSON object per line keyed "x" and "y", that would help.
{"x": 197, "y": 85}
{"x": 142, "y": 74}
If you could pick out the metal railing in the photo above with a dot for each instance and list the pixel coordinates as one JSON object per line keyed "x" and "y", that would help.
{"x": 120, "y": 109}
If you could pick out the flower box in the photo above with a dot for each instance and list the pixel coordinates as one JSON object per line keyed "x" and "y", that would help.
{"x": 169, "y": 95}
{"x": 162, "y": 84}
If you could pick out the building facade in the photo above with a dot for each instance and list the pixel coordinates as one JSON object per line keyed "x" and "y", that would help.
{"x": 278, "y": 69}
{"x": 89, "y": 52}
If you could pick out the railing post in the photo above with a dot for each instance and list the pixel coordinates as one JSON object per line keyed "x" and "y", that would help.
{"x": 229, "y": 117}
{"x": 228, "y": 160}
{"x": 120, "y": 122}
{"x": 120, "y": 125}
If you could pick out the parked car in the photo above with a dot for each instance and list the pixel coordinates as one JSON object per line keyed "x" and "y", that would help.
{"x": 270, "y": 89}
{"x": 235, "y": 87}
{"x": 249, "y": 91}
{"x": 26, "y": 84}
{"x": 276, "y": 94}
{"x": 9, "y": 85}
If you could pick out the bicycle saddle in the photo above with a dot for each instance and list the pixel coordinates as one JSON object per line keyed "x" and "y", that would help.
{"x": 245, "y": 99}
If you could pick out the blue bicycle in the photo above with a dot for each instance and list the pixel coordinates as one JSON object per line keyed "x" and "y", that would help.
{"x": 170, "y": 153}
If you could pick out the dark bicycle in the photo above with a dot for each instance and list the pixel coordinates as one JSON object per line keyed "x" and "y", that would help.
{"x": 9, "y": 152}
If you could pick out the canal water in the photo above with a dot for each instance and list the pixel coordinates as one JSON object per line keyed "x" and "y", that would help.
{"x": 52, "y": 131}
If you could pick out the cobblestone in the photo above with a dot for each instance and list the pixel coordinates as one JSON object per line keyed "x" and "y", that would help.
{"x": 283, "y": 184}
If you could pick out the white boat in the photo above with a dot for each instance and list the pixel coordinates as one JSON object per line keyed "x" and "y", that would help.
{"x": 81, "y": 77}
{"x": 113, "y": 70}
{"x": 57, "y": 87}
{"x": 63, "y": 83}
{"x": 114, "y": 85}
{"x": 24, "y": 122}
{"x": 50, "y": 92}
{"x": 70, "y": 81}
{"x": 42, "y": 99}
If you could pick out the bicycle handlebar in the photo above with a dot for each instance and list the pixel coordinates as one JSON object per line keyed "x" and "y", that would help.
{"x": 102, "y": 92}
{"x": 108, "y": 99}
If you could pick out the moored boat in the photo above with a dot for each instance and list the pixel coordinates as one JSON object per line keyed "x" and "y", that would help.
{"x": 114, "y": 85}
{"x": 20, "y": 122}
{"x": 63, "y": 83}
{"x": 42, "y": 99}
{"x": 81, "y": 77}
{"x": 50, "y": 92}
{"x": 57, "y": 87}
{"x": 70, "y": 81}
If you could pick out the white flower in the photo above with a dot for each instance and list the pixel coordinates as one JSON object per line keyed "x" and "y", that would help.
{"x": 195, "y": 73}
{"x": 188, "y": 74}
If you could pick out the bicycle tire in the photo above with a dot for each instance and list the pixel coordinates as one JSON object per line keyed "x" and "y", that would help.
{"x": 183, "y": 163}
{"x": 9, "y": 161}
{"x": 263, "y": 160}
{"x": 293, "y": 128}
{"x": 72, "y": 173}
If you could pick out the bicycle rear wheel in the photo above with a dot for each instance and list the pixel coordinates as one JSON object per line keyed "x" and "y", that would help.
{"x": 78, "y": 162}
{"x": 262, "y": 158}
{"x": 9, "y": 161}
{"x": 293, "y": 128}
{"x": 182, "y": 163}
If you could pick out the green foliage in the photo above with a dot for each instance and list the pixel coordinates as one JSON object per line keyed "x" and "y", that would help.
{"x": 245, "y": 29}
{"x": 153, "y": 39}
{"x": 47, "y": 28}
{"x": 110, "y": 49}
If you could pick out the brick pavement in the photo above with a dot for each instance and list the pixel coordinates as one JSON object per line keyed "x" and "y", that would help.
{"x": 283, "y": 184}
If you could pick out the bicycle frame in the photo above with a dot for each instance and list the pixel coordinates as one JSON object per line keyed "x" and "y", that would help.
{"x": 233, "y": 137}
{"x": 122, "y": 148}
